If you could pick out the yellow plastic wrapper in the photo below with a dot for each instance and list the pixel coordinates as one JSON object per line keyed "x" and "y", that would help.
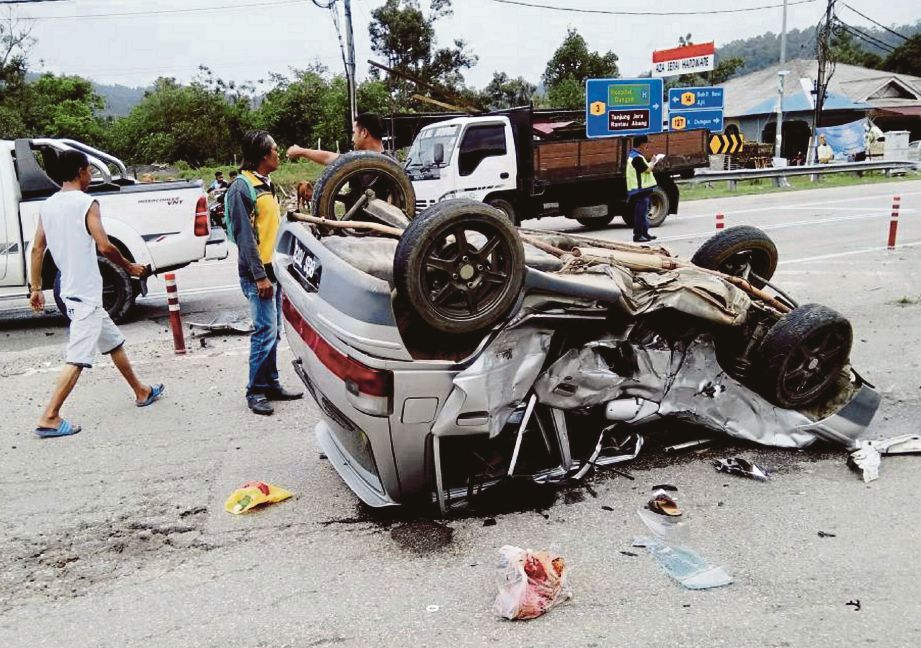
{"x": 253, "y": 494}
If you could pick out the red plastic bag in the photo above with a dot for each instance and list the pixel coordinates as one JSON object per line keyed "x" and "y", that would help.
{"x": 530, "y": 582}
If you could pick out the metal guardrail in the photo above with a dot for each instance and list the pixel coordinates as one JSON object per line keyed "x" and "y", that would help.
{"x": 704, "y": 175}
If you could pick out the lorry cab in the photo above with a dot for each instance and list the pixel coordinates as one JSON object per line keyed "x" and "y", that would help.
{"x": 464, "y": 157}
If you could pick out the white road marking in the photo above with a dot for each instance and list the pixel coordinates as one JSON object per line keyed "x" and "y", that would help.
{"x": 775, "y": 226}
{"x": 836, "y": 255}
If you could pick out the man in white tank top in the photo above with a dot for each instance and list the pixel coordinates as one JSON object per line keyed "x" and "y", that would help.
{"x": 70, "y": 228}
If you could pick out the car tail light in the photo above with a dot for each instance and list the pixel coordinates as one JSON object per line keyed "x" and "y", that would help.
{"x": 368, "y": 389}
{"x": 201, "y": 217}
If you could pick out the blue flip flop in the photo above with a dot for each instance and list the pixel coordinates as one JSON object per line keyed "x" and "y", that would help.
{"x": 156, "y": 391}
{"x": 66, "y": 428}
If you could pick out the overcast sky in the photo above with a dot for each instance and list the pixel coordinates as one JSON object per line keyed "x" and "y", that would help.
{"x": 247, "y": 41}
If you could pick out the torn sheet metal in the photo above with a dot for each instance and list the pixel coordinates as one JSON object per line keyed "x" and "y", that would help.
{"x": 867, "y": 458}
{"x": 225, "y": 322}
{"x": 603, "y": 371}
{"x": 488, "y": 391}
{"x": 741, "y": 467}
{"x": 701, "y": 392}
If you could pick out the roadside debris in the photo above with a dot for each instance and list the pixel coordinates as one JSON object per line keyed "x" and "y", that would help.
{"x": 663, "y": 504}
{"x": 826, "y": 534}
{"x": 225, "y": 322}
{"x": 741, "y": 467}
{"x": 530, "y": 582}
{"x": 688, "y": 445}
{"x": 867, "y": 457}
{"x": 669, "y": 547}
{"x": 854, "y": 604}
{"x": 253, "y": 494}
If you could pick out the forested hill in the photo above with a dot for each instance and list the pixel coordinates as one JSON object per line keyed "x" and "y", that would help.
{"x": 762, "y": 51}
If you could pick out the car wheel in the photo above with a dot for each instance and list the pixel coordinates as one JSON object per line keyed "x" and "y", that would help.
{"x": 741, "y": 251}
{"x": 459, "y": 267}
{"x": 506, "y": 208}
{"x": 803, "y": 354}
{"x": 118, "y": 293}
{"x": 344, "y": 181}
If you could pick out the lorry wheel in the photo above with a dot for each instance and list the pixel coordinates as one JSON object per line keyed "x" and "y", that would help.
{"x": 459, "y": 267}
{"x": 658, "y": 207}
{"x": 118, "y": 293}
{"x": 506, "y": 208}
{"x": 334, "y": 193}
{"x": 741, "y": 251}
{"x": 591, "y": 217}
{"x": 803, "y": 354}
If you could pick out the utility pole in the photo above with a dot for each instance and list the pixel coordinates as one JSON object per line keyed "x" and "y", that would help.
{"x": 822, "y": 55}
{"x": 778, "y": 137}
{"x": 350, "y": 62}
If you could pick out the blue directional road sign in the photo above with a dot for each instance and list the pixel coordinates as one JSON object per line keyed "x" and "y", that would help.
{"x": 695, "y": 98}
{"x": 712, "y": 120}
{"x": 615, "y": 107}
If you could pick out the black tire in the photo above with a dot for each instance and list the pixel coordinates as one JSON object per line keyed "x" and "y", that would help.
{"x": 658, "y": 208}
{"x": 590, "y": 218}
{"x": 740, "y": 251}
{"x": 448, "y": 289}
{"x": 595, "y": 223}
{"x": 333, "y": 194}
{"x": 506, "y": 207}
{"x": 118, "y": 290}
{"x": 803, "y": 354}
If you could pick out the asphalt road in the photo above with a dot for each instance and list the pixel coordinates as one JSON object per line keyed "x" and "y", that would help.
{"x": 117, "y": 536}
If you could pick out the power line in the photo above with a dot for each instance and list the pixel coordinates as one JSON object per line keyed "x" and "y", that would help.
{"x": 891, "y": 31}
{"x": 865, "y": 37}
{"x": 609, "y": 12}
{"x": 127, "y": 14}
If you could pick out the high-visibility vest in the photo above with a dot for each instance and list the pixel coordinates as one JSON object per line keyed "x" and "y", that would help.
{"x": 635, "y": 179}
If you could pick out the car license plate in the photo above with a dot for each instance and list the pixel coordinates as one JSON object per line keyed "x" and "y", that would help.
{"x": 306, "y": 265}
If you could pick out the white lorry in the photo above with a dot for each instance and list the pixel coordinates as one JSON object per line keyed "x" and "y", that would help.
{"x": 163, "y": 225}
{"x": 530, "y": 163}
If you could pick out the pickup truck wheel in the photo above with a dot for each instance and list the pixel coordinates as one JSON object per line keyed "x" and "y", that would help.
{"x": 592, "y": 217}
{"x": 506, "y": 208}
{"x": 741, "y": 251}
{"x": 118, "y": 293}
{"x": 344, "y": 181}
{"x": 803, "y": 354}
{"x": 459, "y": 267}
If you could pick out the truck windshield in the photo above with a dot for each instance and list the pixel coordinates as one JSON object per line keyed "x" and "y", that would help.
{"x": 422, "y": 153}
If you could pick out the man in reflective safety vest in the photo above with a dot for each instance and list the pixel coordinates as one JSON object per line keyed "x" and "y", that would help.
{"x": 640, "y": 183}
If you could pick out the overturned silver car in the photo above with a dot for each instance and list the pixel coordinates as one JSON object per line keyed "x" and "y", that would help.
{"x": 451, "y": 350}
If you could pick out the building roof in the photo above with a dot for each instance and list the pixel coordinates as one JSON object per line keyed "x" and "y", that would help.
{"x": 851, "y": 88}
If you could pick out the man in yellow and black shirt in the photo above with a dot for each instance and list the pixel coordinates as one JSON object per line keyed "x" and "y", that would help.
{"x": 255, "y": 226}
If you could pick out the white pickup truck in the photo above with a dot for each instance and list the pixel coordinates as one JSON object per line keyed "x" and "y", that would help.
{"x": 161, "y": 224}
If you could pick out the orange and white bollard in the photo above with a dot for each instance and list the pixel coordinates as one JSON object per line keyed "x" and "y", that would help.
{"x": 894, "y": 221}
{"x": 175, "y": 322}
{"x": 720, "y": 221}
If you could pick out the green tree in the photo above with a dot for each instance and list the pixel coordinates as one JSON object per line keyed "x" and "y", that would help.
{"x": 405, "y": 36}
{"x": 64, "y": 106}
{"x": 198, "y": 123}
{"x": 906, "y": 59}
{"x": 505, "y": 92}
{"x": 844, "y": 49}
{"x": 571, "y": 64}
